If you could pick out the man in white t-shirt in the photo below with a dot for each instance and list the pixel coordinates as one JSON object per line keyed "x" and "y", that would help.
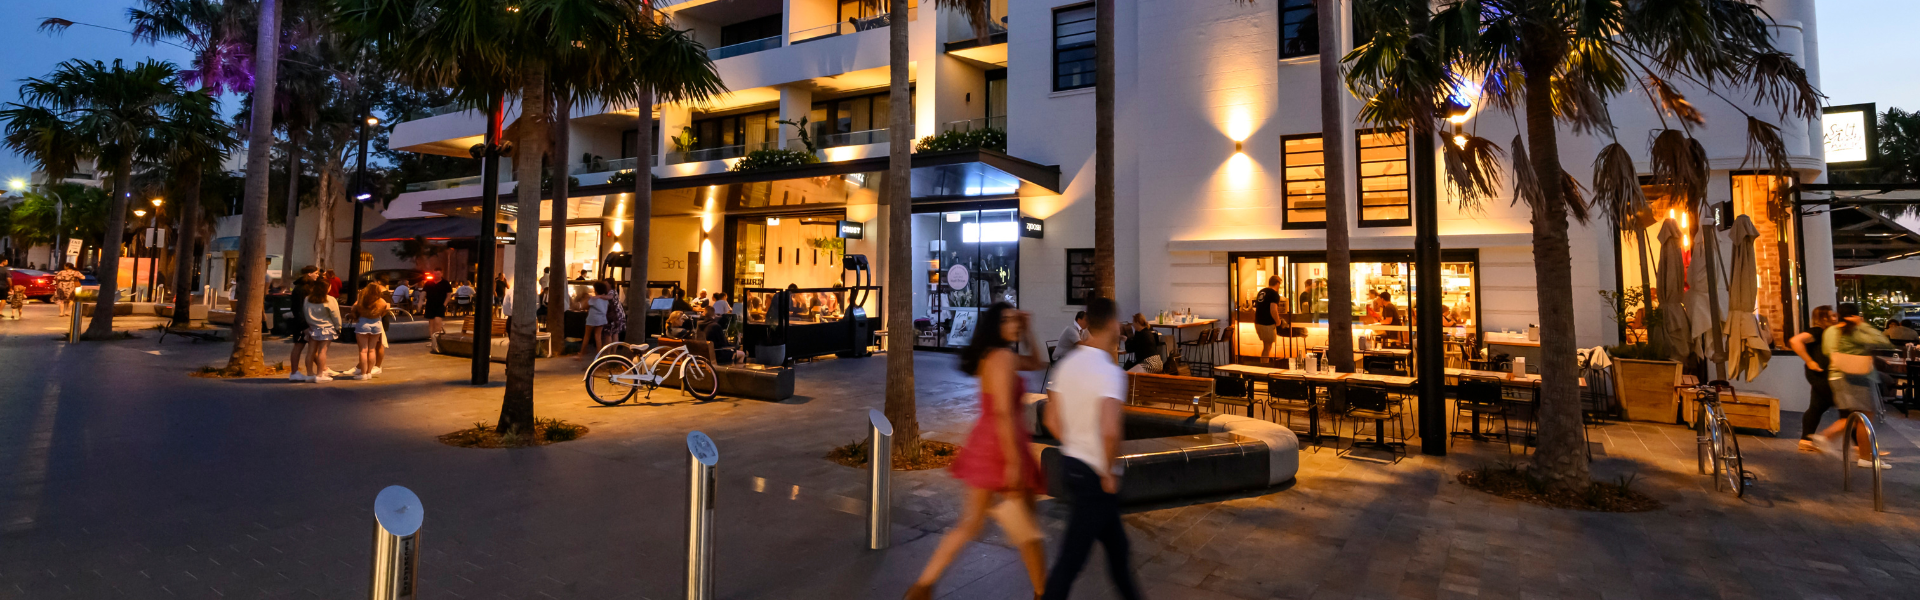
{"x": 1083, "y": 412}
{"x": 1075, "y": 333}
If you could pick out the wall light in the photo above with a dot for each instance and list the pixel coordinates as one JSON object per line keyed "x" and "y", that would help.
{"x": 1239, "y": 147}
{"x": 773, "y": 221}
{"x": 1460, "y": 140}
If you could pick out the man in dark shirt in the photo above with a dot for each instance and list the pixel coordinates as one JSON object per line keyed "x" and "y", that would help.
{"x": 1266, "y": 316}
{"x": 437, "y": 293}
{"x": 6, "y": 276}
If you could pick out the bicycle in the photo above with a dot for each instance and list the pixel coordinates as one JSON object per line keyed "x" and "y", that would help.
{"x": 613, "y": 378}
{"x": 1718, "y": 441}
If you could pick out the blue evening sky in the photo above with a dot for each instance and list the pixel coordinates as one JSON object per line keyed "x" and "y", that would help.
{"x": 1865, "y": 50}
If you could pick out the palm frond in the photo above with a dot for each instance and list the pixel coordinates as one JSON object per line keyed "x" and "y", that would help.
{"x": 1679, "y": 163}
{"x": 1575, "y": 197}
{"x": 1675, "y": 103}
{"x": 1765, "y": 149}
{"x": 1526, "y": 186}
{"x": 1473, "y": 170}
{"x": 1617, "y": 192}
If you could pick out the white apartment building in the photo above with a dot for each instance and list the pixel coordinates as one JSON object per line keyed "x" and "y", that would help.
{"x": 1218, "y": 186}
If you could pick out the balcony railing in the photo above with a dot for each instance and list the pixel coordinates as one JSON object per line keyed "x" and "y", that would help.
{"x": 854, "y": 138}
{"x": 605, "y": 166}
{"x": 706, "y": 154}
{"x": 441, "y": 110}
{"x": 445, "y": 184}
{"x": 848, "y": 26}
{"x": 999, "y": 123}
{"x": 744, "y": 48}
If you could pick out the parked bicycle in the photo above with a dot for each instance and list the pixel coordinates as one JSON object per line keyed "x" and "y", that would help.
{"x": 1717, "y": 440}
{"x": 613, "y": 378}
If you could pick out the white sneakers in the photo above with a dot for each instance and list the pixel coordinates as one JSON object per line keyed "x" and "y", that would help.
{"x": 1868, "y": 464}
{"x": 376, "y": 370}
{"x": 331, "y": 375}
{"x": 320, "y": 379}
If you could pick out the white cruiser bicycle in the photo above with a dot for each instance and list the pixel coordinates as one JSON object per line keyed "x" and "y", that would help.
{"x": 612, "y": 378}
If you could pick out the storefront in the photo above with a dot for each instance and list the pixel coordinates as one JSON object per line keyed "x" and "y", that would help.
{"x": 967, "y": 257}
{"x": 1758, "y": 197}
{"x": 1383, "y": 298}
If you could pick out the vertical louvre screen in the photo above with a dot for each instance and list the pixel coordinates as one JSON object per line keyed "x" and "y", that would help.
{"x": 1384, "y": 192}
{"x": 1303, "y": 159}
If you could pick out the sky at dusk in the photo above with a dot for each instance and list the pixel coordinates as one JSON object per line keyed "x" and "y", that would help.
{"x": 1866, "y": 52}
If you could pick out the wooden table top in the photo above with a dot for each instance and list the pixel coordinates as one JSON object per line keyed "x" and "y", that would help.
{"x": 1507, "y": 340}
{"x": 1388, "y": 380}
{"x": 1273, "y": 372}
{"x": 1196, "y": 323}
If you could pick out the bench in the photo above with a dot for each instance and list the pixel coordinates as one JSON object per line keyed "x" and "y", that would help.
{"x": 196, "y": 334}
{"x": 1172, "y": 454}
{"x": 1175, "y": 390}
{"x": 759, "y": 382}
{"x": 461, "y": 344}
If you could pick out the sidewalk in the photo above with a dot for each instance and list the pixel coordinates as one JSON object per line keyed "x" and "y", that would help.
{"x": 123, "y": 477}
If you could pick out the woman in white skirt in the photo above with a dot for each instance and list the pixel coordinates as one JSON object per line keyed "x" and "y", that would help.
{"x": 368, "y": 329}
{"x": 323, "y": 326}
{"x": 596, "y": 321}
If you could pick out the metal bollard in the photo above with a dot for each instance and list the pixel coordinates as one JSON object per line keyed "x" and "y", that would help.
{"x": 396, "y": 544}
{"x": 1847, "y": 460}
{"x": 879, "y": 481}
{"x": 1196, "y": 406}
{"x": 701, "y": 456}
{"x": 73, "y": 325}
{"x": 1700, "y": 436}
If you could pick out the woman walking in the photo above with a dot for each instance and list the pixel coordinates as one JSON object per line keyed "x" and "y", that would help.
{"x": 64, "y": 283}
{"x": 596, "y": 320}
{"x": 1820, "y": 392}
{"x": 996, "y": 463}
{"x": 1849, "y": 347}
{"x": 368, "y": 329}
{"x": 323, "y": 327}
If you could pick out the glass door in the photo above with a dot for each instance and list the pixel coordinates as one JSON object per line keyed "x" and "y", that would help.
{"x": 969, "y": 260}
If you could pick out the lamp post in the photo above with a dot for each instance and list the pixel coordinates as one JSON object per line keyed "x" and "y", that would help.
{"x": 152, "y": 261}
{"x": 57, "y": 254}
{"x": 138, "y": 213}
{"x": 360, "y": 197}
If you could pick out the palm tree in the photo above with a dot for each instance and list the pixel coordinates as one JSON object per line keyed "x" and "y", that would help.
{"x": 1560, "y": 61}
{"x": 247, "y": 357}
{"x": 92, "y": 110}
{"x": 1333, "y": 135}
{"x": 192, "y": 138}
{"x": 664, "y": 65}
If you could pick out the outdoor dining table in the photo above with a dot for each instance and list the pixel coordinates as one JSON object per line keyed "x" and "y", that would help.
{"x": 1178, "y": 328}
{"x": 1317, "y": 379}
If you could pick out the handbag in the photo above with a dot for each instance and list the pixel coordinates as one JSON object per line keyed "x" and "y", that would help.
{"x": 1852, "y": 364}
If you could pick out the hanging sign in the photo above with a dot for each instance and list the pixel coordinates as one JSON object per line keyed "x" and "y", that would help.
{"x": 957, "y": 277}
{"x": 1033, "y": 228}
{"x": 1850, "y": 135}
{"x": 852, "y": 230}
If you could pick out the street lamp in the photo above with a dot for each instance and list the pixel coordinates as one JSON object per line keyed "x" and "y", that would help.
{"x": 152, "y": 262}
{"x": 359, "y": 200}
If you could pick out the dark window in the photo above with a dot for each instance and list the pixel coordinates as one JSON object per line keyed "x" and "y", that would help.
{"x": 867, "y": 112}
{"x": 1073, "y": 52}
{"x": 1384, "y": 197}
{"x": 1299, "y": 29}
{"x": 997, "y": 98}
{"x": 1303, "y": 159}
{"x": 750, "y": 129}
{"x": 750, "y": 30}
{"x": 629, "y": 149}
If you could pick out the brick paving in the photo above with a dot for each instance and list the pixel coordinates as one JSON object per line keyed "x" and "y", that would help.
{"x": 122, "y": 477}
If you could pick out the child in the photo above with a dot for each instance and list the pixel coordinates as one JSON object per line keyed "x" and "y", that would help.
{"x": 17, "y": 299}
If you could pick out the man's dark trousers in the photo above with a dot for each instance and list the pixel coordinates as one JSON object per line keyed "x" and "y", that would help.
{"x": 1095, "y": 516}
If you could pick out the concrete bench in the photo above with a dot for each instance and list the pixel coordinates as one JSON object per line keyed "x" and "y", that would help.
{"x": 772, "y": 384}
{"x": 196, "y": 314}
{"x": 1171, "y": 454}
{"x": 461, "y": 344}
{"x": 408, "y": 331}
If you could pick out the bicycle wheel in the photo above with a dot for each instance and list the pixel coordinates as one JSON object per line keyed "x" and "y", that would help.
{"x": 600, "y": 384}
{"x": 1732, "y": 469}
{"x": 698, "y": 377}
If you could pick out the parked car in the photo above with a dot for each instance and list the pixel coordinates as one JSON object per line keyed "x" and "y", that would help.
{"x": 39, "y": 284}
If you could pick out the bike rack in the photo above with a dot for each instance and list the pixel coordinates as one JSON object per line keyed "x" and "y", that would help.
{"x": 1847, "y": 461}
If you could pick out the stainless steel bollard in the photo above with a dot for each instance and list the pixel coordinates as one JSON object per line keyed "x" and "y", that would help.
{"x": 701, "y": 456}
{"x": 1847, "y": 460}
{"x": 396, "y": 544}
{"x": 73, "y": 325}
{"x": 879, "y": 481}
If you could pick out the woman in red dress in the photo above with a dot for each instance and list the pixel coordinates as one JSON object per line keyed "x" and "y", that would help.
{"x": 997, "y": 462}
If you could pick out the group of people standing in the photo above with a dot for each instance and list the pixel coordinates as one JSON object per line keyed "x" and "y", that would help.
{"x": 321, "y": 323}
{"x": 1083, "y": 411}
{"x": 65, "y": 282}
{"x": 1838, "y": 348}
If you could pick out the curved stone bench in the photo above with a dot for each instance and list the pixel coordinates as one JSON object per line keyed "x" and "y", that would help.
{"x": 1171, "y": 454}
{"x": 408, "y": 331}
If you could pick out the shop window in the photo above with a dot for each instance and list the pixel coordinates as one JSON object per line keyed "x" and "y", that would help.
{"x": 1639, "y": 255}
{"x": 1299, "y": 29}
{"x": 1760, "y": 198}
{"x": 1384, "y": 197}
{"x": 1304, "y": 161}
{"x": 969, "y": 260}
{"x": 1383, "y": 299}
{"x": 1073, "y": 47}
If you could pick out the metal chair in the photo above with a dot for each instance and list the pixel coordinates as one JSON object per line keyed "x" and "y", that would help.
{"x": 1292, "y": 396}
{"x": 1191, "y": 348}
{"x": 1234, "y": 391}
{"x": 1382, "y": 365}
{"x": 1480, "y": 398}
{"x": 1368, "y": 403}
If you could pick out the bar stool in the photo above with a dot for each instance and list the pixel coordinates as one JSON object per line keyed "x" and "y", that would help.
{"x": 1191, "y": 348}
{"x": 1297, "y": 341}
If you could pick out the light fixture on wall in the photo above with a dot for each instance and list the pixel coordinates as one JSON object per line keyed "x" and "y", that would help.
{"x": 1457, "y": 110}
{"x": 773, "y": 221}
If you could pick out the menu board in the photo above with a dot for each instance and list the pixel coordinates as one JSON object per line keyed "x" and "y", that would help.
{"x": 1080, "y": 279}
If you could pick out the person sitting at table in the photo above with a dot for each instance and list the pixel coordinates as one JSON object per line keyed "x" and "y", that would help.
{"x": 724, "y": 352}
{"x": 1072, "y": 335}
{"x": 1901, "y": 331}
{"x": 1142, "y": 343}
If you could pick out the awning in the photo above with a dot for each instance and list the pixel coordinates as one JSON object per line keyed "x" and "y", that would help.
{"x": 1906, "y": 267}
{"x": 432, "y": 228}
{"x": 956, "y": 175}
{"x": 227, "y": 244}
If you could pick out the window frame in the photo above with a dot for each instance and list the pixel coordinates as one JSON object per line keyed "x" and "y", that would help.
{"x": 1309, "y": 6}
{"x": 1359, "y": 178}
{"x": 1055, "y": 37}
{"x": 1286, "y": 197}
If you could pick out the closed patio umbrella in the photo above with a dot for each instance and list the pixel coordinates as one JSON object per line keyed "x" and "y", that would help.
{"x": 1703, "y": 297}
{"x": 1747, "y": 345}
{"x": 1673, "y": 334}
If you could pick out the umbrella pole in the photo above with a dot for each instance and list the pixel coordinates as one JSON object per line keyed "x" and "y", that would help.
{"x": 1718, "y": 341}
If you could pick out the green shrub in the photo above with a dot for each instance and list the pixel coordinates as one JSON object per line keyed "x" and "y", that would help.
{"x": 546, "y": 182}
{"x": 991, "y": 138}
{"x": 774, "y": 158}
{"x": 625, "y": 177}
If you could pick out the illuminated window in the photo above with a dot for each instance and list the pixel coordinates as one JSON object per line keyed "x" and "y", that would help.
{"x": 1762, "y": 199}
{"x": 1384, "y": 197}
{"x": 1304, "y": 162}
{"x": 1299, "y": 29}
{"x": 1073, "y": 52}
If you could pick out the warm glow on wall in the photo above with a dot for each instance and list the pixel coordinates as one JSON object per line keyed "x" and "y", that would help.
{"x": 1239, "y": 170}
{"x": 616, "y": 247}
{"x": 1239, "y": 124}
{"x": 841, "y": 153}
{"x": 1038, "y": 207}
{"x": 862, "y": 213}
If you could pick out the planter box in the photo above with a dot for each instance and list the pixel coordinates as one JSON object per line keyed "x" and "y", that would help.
{"x": 1646, "y": 389}
{"x": 1745, "y": 410}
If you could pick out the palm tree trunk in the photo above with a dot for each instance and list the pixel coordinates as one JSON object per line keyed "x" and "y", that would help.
{"x": 247, "y": 358}
{"x": 293, "y": 201}
{"x": 516, "y": 410}
{"x": 189, "y": 209}
{"x": 108, "y": 269}
{"x": 557, "y": 238}
{"x": 900, "y": 407}
{"x": 642, "y": 230}
{"x": 1103, "y": 92}
{"x": 1333, "y": 133}
{"x": 1561, "y": 460}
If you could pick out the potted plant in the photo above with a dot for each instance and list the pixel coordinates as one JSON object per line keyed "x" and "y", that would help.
{"x": 1646, "y": 382}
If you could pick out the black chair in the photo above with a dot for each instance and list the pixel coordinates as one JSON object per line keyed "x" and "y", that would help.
{"x": 1368, "y": 403}
{"x": 1480, "y": 399}
{"x": 1293, "y": 396}
{"x": 1199, "y": 349}
{"x": 1233, "y": 391}
{"x": 1382, "y": 365}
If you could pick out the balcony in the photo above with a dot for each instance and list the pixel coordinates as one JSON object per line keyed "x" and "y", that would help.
{"x": 999, "y": 123}
{"x": 744, "y": 48}
{"x": 719, "y": 153}
{"x": 447, "y": 184}
{"x": 850, "y": 26}
{"x": 605, "y": 166}
{"x": 852, "y": 138}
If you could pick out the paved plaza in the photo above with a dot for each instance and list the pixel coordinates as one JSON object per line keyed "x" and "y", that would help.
{"x": 121, "y": 476}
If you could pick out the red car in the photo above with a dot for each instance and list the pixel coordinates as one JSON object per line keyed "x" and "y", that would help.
{"x": 39, "y": 283}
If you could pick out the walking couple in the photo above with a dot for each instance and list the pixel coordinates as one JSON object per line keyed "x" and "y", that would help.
{"x": 1838, "y": 350}
{"x": 998, "y": 466}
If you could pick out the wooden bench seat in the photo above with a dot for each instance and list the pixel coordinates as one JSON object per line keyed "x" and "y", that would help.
{"x": 1145, "y": 388}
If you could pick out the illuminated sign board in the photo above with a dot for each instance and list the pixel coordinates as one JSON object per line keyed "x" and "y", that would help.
{"x": 1849, "y": 135}
{"x": 852, "y": 230}
{"x": 1033, "y": 228}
